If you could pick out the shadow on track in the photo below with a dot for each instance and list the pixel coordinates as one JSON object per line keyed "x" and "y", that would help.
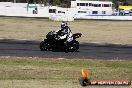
{"x": 28, "y": 48}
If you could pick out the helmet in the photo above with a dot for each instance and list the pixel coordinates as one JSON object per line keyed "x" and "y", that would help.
{"x": 63, "y": 25}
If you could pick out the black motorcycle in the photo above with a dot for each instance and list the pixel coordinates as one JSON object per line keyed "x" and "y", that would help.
{"x": 53, "y": 43}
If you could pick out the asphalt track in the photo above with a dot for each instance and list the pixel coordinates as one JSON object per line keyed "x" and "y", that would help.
{"x": 27, "y": 48}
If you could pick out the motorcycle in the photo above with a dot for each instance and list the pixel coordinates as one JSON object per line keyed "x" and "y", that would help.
{"x": 53, "y": 42}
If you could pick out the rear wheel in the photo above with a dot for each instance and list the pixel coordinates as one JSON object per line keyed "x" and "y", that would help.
{"x": 44, "y": 46}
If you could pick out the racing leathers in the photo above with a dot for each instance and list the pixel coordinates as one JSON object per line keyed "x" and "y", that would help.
{"x": 65, "y": 32}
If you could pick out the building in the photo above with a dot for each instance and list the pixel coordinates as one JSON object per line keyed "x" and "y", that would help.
{"x": 80, "y": 9}
{"x": 93, "y": 7}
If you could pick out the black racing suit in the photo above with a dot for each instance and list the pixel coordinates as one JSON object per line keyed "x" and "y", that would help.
{"x": 65, "y": 33}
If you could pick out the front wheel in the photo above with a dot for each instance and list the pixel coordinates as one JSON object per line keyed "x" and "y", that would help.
{"x": 74, "y": 46}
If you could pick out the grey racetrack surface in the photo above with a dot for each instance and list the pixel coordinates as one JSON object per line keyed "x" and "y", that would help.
{"x": 27, "y": 48}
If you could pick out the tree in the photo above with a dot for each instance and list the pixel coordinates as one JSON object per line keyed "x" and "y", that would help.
{"x": 56, "y": 2}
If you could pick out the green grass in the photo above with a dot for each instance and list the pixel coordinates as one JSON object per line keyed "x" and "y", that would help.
{"x": 34, "y": 72}
{"x": 66, "y": 69}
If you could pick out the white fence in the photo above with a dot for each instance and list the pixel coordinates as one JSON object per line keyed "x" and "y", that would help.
{"x": 105, "y": 17}
{"x": 61, "y": 17}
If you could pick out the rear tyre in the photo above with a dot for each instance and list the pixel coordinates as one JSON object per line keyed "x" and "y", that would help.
{"x": 43, "y": 46}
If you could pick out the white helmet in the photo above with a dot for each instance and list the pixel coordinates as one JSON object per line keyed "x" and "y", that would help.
{"x": 63, "y": 24}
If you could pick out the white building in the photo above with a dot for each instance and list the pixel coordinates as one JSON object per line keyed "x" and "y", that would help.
{"x": 92, "y": 7}
{"x": 77, "y": 7}
{"x": 80, "y": 9}
{"x": 83, "y": 8}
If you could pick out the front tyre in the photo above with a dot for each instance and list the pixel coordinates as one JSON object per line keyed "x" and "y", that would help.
{"x": 74, "y": 46}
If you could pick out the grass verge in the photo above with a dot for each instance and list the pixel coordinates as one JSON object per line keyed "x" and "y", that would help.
{"x": 118, "y": 32}
{"x": 58, "y": 72}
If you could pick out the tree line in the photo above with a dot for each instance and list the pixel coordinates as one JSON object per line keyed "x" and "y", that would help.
{"x": 66, "y": 3}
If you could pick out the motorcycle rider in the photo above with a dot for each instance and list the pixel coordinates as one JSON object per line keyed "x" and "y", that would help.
{"x": 65, "y": 32}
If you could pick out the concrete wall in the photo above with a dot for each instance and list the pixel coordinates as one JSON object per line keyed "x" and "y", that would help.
{"x": 107, "y": 17}
{"x": 20, "y": 9}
